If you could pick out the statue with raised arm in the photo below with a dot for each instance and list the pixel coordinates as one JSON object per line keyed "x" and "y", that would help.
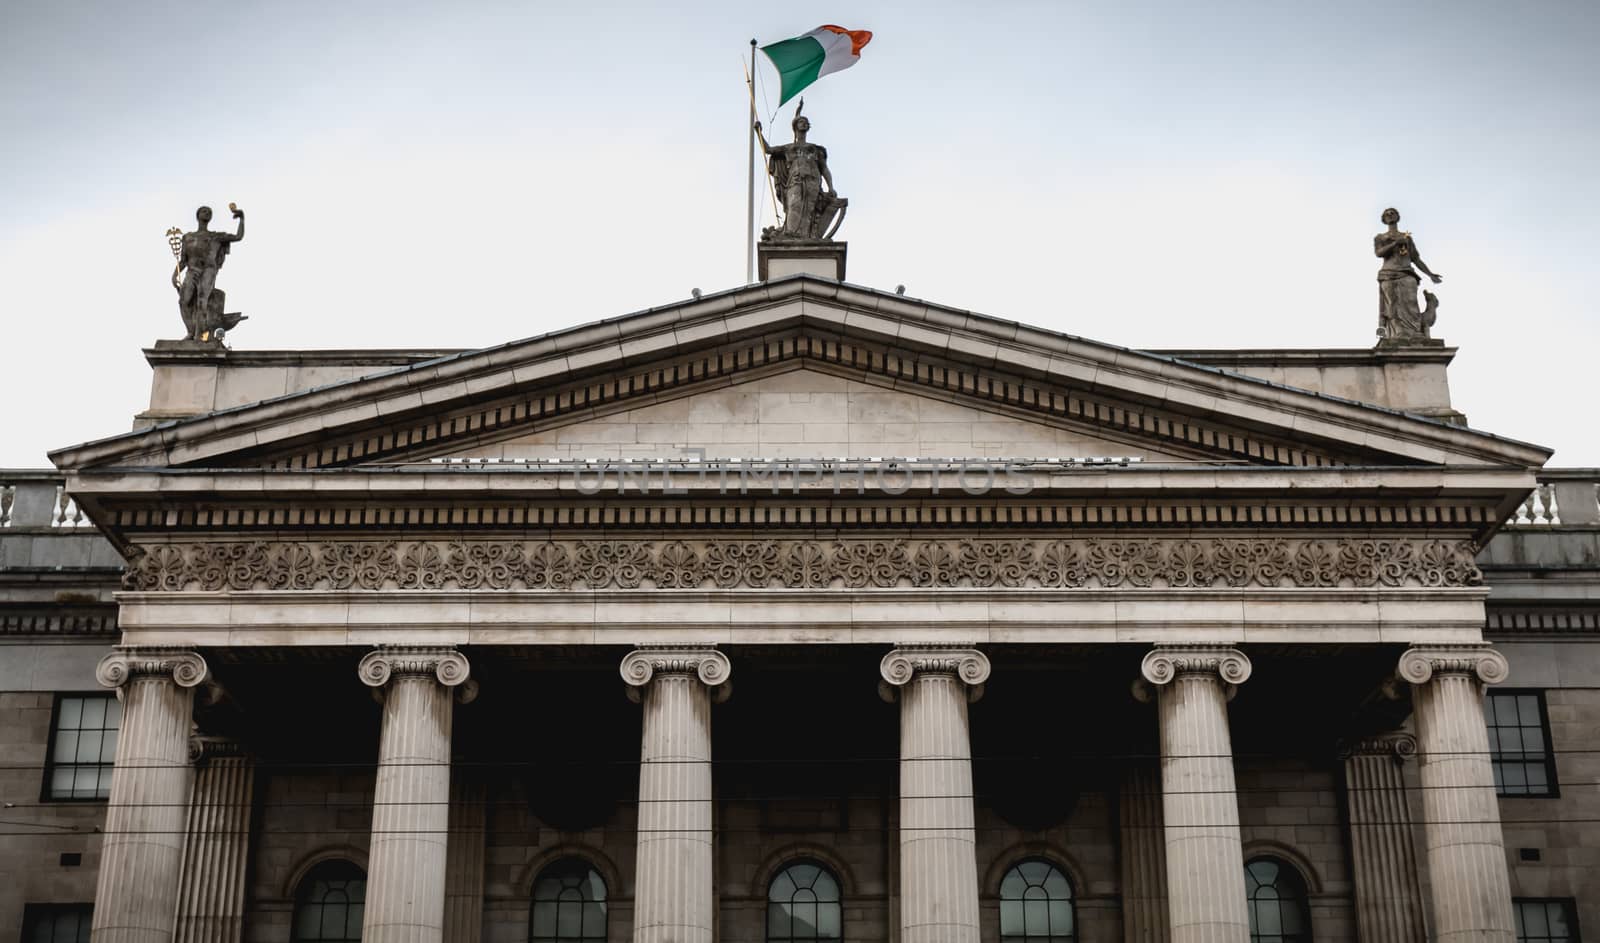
{"x": 1400, "y": 319}
{"x": 811, "y": 213}
{"x": 200, "y": 255}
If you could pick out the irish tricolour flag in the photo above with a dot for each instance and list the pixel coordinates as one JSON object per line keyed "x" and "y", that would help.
{"x": 824, "y": 50}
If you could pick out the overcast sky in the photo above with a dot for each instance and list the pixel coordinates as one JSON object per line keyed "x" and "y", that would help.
{"x": 1172, "y": 174}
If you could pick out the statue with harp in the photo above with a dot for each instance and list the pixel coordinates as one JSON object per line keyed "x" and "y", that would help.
{"x": 812, "y": 209}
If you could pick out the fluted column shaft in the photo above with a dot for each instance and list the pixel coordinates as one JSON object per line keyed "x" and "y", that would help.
{"x": 674, "y": 895}
{"x": 411, "y": 802}
{"x": 1144, "y": 856}
{"x": 140, "y": 860}
{"x": 463, "y": 904}
{"x": 1461, "y": 815}
{"x": 217, "y": 843}
{"x": 1199, "y": 798}
{"x": 1383, "y": 857}
{"x": 938, "y": 854}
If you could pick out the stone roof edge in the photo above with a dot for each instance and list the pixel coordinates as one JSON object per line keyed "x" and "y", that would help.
{"x": 453, "y": 370}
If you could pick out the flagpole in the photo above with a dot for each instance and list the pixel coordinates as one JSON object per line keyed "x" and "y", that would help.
{"x": 750, "y": 182}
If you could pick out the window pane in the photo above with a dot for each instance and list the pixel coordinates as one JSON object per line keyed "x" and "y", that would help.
{"x": 829, "y": 918}
{"x": 1011, "y": 918}
{"x": 544, "y": 920}
{"x": 1036, "y": 917}
{"x": 71, "y": 715}
{"x": 94, "y": 711}
{"x": 1060, "y": 917}
{"x": 569, "y": 921}
{"x": 778, "y": 921}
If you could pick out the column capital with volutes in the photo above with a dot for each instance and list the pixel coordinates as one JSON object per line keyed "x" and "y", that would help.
{"x": 703, "y": 663}
{"x": 125, "y": 663}
{"x": 960, "y": 663}
{"x": 1422, "y": 663}
{"x": 443, "y": 664}
{"x": 1166, "y": 663}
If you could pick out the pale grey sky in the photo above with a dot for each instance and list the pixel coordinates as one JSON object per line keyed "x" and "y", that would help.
{"x": 1170, "y": 174}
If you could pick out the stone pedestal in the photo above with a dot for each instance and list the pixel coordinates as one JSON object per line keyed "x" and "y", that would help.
{"x": 938, "y": 860}
{"x": 1144, "y": 855}
{"x": 1199, "y": 799}
{"x": 1382, "y": 855}
{"x": 1461, "y": 815}
{"x": 411, "y": 803}
{"x": 216, "y": 848}
{"x": 780, "y": 259}
{"x": 674, "y": 898}
{"x": 136, "y": 899}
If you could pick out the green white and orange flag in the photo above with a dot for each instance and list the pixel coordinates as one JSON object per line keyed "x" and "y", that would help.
{"x": 823, "y": 51}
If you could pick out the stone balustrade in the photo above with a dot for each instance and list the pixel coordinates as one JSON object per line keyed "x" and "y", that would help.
{"x": 1564, "y": 496}
{"x": 38, "y": 499}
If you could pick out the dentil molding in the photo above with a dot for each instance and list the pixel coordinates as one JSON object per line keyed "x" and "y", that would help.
{"x": 850, "y": 563}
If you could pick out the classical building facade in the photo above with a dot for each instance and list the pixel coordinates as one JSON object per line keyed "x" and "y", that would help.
{"x": 641, "y": 631}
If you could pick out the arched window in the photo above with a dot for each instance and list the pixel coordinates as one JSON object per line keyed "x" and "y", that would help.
{"x": 329, "y": 902}
{"x": 1036, "y": 903}
{"x": 803, "y": 904}
{"x": 569, "y": 903}
{"x": 1277, "y": 897}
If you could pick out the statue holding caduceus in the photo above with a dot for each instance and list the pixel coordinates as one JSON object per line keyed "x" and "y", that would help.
{"x": 200, "y": 255}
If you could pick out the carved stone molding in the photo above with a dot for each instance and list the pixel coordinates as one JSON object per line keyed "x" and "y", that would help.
{"x": 1421, "y": 663}
{"x": 1399, "y": 745}
{"x": 130, "y": 662}
{"x": 848, "y": 563}
{"x": 445, "y": 665}
{"x": 1166, "y": 663}
{"x": 901, "y": 666}
{"x": 641, "y": 666}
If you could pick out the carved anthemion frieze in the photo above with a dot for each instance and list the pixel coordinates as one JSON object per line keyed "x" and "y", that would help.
{"x": 1012, "y": 563}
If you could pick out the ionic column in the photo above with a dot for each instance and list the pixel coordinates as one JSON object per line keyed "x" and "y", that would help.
{"x": 137, "y": 894}
{"x": 1144, "y": 857}
{"x": 216, "y": 844}
{"x": 938, "y": 854}
{"x": 411, "y": 803}
{"x": 674, "y": 900}
{"x": 1199, "y": 801}
{"x": 1383, "y": 858}
{"x": 1461, "y": 816}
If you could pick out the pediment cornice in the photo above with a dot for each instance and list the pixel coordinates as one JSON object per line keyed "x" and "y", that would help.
{"x": 800, "y": 322}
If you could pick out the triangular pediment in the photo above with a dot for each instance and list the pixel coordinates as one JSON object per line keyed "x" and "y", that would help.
{"x": 802, "y": 413}
{"x": 886, "y": 373}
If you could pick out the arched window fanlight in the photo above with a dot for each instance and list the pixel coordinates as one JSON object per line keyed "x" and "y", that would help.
{"x": 569, "y": 903}
{"x": 1036, "y": 903}
{"x": 329, "y": 903}
{"x": 1277, "y": 897}
{"x": 803, "y": 904}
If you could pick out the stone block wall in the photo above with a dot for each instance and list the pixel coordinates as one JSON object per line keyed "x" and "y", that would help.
{"x": 31, "y": 866}
{"x": 1561, "y": 828}
{"x": 1291, "y": 810}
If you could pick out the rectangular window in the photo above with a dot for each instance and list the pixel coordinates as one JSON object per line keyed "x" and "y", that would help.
{"x": 1519, "y": 742}
{"x": 83, "y": 746}
{"x": 56, "y": 923}
{"x": 1541, "y": 920}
